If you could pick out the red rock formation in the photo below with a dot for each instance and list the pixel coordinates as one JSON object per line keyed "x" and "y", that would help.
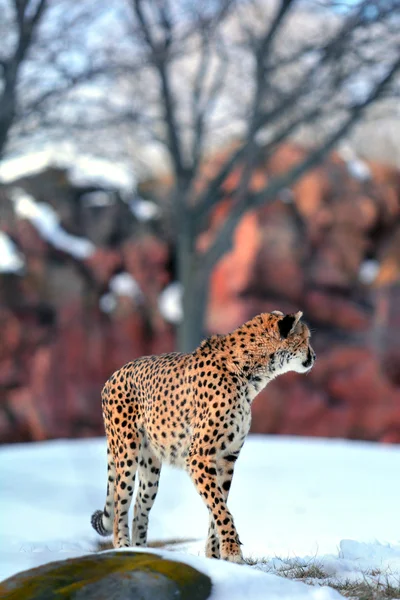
{"x": 303, "y": 251}
{"x": 309, "y": 256}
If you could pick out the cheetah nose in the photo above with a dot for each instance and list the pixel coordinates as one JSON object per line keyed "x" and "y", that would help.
{"x": 310, "y": 359}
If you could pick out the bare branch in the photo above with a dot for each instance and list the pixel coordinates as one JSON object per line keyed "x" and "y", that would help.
{"x": 159, "y": 59}
{"x": 329, "y": 56}
{"x": 223, "y": 240}
{"x": 198, "y": 111}
{"x": 203, "y": 98}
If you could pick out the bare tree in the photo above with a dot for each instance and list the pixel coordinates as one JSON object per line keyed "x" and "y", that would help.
{"x": 187, "y": 76}
{"x": 48, "y": 50}
{"x": 345, "y": 60}
{"x": 25, "y": 17}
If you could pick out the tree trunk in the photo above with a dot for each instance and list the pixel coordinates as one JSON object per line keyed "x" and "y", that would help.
{"x": 195, "y": 296}
{"x": 6, "y": 120}
{"x": 194, "y": 281}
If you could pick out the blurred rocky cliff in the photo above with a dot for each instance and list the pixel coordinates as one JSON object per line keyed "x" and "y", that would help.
{"x": 85, "y": 286}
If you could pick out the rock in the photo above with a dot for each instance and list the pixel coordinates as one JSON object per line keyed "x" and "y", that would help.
{"x": 386, "y": 183}
{"x": 338, "y": 260}
{"x": 287, "y": 155}
{"x": 287, "y": 407}
{"x": 277, "y": 269}
{"x": 336, "y": 421}
{"x": 232, "y": 275}
{"x": 336, "y": 311}
{"x": 337, "y": 359}
{"x": 302, "y": 250}
{"x": 102, "y": 264}
{"x": 26, "y": 415}
{"x": 355, "y": 211}
{"x": 145, "y": 258}
{"x": 116, "y": 575}
{"x": 360, "y": 383}
{"x": 11, "y": 333}
{"x": 389, "y": 259}
{"x": 309, "y": 193}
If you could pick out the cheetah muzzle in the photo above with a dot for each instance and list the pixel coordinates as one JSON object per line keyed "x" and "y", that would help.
{"x": 193, "y": 411}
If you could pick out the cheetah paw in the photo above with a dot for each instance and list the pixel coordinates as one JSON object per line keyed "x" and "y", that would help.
{"x": 234, "y": 558}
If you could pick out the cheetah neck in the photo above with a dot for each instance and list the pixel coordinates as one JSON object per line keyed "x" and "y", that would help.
{"x": 260, "y": 376}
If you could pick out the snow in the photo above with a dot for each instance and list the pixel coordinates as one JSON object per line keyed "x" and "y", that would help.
{"x": 83, "y": 169}
{"x": 369, "y": 270}
{"x": 23, "y": 166}
{"x": 295, "y": 501}
{"x": 123, "y": 284}
{"x": 233, "y": 582}
{"x": 98, "y": 199}
{"x": 356, "y": 167}
{"x": 144, "y": 210}
{"x": 170, "y": 303}
{"x": 89, "y": 170}
{"x": 45, "y": 219}
{"x": 108, "y": 303}
{"x": 10, "y": 259}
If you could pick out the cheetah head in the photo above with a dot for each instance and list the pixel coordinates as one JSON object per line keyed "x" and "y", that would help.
{"x": 291, "y": 339}
{"x": 273, "y": 343}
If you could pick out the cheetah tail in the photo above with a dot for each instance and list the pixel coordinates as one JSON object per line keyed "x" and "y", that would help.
{"x": 97, "y": 522}
{"x": 102, "y": 520}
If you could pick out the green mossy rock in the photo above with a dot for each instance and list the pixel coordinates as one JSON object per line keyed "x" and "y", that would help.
{"x": 109, "y": 576}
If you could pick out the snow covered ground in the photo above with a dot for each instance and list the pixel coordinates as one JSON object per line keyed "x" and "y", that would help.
{"x": 295, "y": 502}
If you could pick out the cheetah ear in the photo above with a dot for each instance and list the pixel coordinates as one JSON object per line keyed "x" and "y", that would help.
{"x": 287, "y": 324}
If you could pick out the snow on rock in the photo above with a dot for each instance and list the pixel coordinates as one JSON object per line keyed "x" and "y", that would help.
{"x": 83, "y": 169}
{"x": 170, "y": 303}
{"x": 236, "y": 582}
{"x": 90, "y": 170}
{"x": 45, "y": 219}
{"x": 369, "y": 270}
{"x": 108, "y": 303}
{"x": 25, "y": 165}
{"x": 144, "y": 210}
{"x": 98, "y": 199}
{"x": 123, "y": 284}
{"x": 11, "y": 260}
{"x": 356, "y": 167}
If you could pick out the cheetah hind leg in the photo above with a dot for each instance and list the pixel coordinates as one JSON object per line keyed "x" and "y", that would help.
{"x": 102, "y": 520}
{"x": 149, "y": 475}
{"x": 126, "y": 462}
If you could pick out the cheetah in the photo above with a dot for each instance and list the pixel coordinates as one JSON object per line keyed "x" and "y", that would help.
{"x": 193, "y": 411}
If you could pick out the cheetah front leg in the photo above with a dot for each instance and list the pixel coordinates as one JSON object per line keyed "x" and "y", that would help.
{"x": 203, "y": 471}
{"x": 225, "y": 468}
